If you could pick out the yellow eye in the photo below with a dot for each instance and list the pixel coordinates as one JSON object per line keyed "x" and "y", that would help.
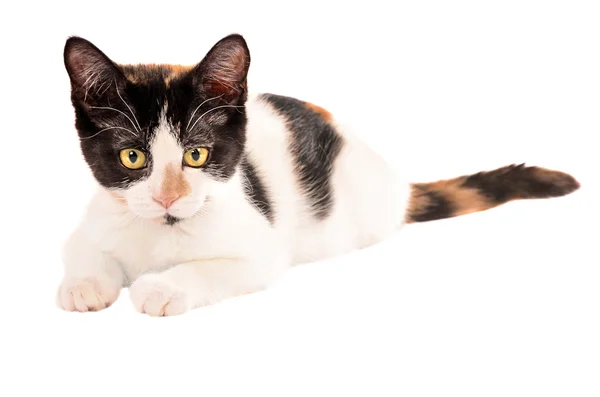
{"x": 132, "y": 158}
{"x": 196, "y": 157}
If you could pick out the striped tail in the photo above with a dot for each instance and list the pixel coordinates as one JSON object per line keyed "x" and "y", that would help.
{"x": 485, "y": 190}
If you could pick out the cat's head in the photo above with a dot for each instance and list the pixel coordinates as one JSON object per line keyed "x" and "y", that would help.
{"x": 160, "y": 138}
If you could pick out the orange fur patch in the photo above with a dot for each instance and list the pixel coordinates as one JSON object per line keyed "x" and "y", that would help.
{"x": 141, "y": 74}
{"x": 176, "y": 71}
{"x": 326, "y": 115}
{"x": 174, "y": 183}
{"x": 461, "y": 200}
{"x": 464, "y": 200}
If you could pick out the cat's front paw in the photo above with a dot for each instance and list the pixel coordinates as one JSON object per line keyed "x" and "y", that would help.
{"x": 86, "y": 294}
{"x": 153, "y": 295}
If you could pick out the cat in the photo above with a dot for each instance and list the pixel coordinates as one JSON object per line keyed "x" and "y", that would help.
{"x": 207, "y": 192}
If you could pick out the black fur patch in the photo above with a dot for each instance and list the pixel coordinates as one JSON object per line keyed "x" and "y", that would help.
{"x": 171, "y": 220}
{"x": 521, "y": 182}
{"x": 120, "y": 106}
{"x": 256, "y": 191}
{"x": 498, "y": 185}
{"x": 315, "y": 146}
{"x": 436, "y": 205}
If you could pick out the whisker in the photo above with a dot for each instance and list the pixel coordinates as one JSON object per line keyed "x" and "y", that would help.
{"x": 195, "y": 110}
{"x": 130, "y": 111}
{"x": 89, "y": 86}
{"x": 110, "y": 128}
{"x": 107, "y": 84}
{"x": 210, "y": 110}
{"x": 116, "y": 110}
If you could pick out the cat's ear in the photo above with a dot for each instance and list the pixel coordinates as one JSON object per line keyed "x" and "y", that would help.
{"x": 223, "y": 71}
{"x": 91, "y": 72}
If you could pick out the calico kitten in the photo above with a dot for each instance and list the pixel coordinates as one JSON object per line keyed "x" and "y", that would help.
{"x": 206, "y": 192}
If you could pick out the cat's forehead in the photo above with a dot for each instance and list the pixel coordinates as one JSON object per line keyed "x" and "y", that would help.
{"x": 147, "y": 74}
{"x": 158, "y": 94}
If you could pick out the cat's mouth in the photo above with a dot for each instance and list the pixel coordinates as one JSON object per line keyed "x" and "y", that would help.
{"x": 186, "y": 209}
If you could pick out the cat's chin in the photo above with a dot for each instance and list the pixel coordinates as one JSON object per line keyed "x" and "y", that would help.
{"x": 167, "y": 219}
{"x": 170, "y": 220}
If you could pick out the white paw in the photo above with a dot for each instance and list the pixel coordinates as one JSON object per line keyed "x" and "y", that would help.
{"x": 153, "y": 295}
{"x": 86, "y": 294}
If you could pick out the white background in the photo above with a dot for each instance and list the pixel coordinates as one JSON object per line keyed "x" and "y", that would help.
{"x": 502, "y": 303}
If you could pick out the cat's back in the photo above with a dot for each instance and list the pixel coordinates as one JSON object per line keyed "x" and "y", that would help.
{"x": 302, "y": 171}
{"x": 301, "y": 141}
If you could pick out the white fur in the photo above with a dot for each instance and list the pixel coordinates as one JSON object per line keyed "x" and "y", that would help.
{"x": 228, "y": 248}
{"x": 166, "y": 151}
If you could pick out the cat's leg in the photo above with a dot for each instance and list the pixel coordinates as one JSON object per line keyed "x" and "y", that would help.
{"x": 92, "y": 279}
{"x": 199, "y": 283}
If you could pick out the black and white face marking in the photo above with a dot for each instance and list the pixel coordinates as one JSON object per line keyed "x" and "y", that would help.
{"x": 160, "y": 113}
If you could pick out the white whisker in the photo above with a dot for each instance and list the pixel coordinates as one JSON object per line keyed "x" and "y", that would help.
{"x": 107, "y": 84}
{"x": 116, "y": 110}
{"x": 111, "y": 128}
{"x": 89, "y": 86}
{"x": 130, "y": 111}
{"x": 195, "y": 110}
{"x": 210, "y": 110}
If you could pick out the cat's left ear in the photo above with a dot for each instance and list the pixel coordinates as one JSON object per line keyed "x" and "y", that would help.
{"x": 223, "y": 71}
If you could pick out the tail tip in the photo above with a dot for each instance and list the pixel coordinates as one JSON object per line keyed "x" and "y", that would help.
{"x": 570, "y": 184}
{"x": 561, "y": 183}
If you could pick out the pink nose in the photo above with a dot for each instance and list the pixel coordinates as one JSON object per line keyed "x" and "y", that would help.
{"x": 165, "y": 201}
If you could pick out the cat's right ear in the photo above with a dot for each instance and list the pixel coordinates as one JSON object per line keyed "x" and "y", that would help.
{"x": 92, "y": 73}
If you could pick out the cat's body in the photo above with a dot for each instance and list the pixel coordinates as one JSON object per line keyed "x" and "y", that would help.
{"x": 283, "y": 184}
{"x": 365, "y": 205}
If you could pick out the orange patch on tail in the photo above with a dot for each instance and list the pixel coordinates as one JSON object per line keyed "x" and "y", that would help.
{"x": 465, "y": 200}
